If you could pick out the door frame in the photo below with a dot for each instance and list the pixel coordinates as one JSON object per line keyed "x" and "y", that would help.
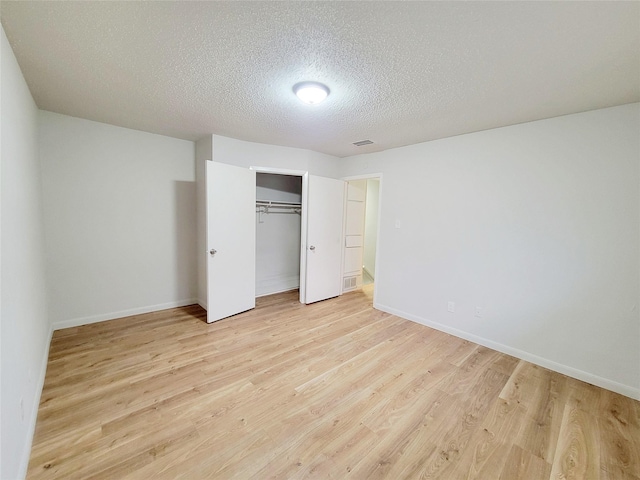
{"x": 370, "y": 176}
{"x": 303, "y": 218}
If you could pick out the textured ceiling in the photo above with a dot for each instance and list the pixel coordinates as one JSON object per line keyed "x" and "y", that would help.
{"x": 399, "y": 72}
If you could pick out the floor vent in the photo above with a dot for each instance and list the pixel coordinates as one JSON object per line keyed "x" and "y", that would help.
{"x": 362, "y": 142}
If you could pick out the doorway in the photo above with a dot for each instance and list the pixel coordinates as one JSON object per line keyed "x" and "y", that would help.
{"x": 361, "y": 233}
{"x": 370, "y": 231}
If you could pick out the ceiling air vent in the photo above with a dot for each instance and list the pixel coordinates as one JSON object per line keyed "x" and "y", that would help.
{"x": 362, "y": 142}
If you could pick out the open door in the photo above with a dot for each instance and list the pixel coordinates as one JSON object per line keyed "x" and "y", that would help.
{"x": 325, "y": 207}
{"x": 231, "y": 240}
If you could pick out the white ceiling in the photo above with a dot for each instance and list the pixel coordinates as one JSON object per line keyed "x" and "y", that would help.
{"x": 399, "y": 72}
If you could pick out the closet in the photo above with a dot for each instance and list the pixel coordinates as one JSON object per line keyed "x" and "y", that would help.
{"x": 268, "y": 232}
{"x": 278, "y": 228}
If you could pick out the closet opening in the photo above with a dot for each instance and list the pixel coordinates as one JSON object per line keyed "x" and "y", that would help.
{"x": 279, "y": 213}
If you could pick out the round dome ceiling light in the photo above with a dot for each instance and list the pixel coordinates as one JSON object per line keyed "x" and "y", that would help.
{"x": 311, "y": 93}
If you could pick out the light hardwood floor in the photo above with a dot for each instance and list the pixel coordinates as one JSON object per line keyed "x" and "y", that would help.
{"x": 330, "y": 390}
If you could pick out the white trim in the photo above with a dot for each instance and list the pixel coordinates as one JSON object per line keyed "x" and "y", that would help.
{"x": 345, "y": 199}
{"x": 366, "y": 176}
{"x": 606, "y": 383}
{"x": 279, "y": 291}
{"x": 364, "y": 269}
{"x": 304, "y": 222}
{"x": 76, "y": 322}
{"x": 31, "y": 427}
{"x": 279, "y": 171}
{"x": 277, "y": 284}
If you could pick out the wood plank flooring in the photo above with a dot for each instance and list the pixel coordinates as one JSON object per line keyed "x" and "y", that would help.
{"x": 330, "y": 390}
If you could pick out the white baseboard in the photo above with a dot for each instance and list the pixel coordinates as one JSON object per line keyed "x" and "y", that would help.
{"x": 606, "y": 383}
{"x": 286, "y": 289}
{"x": 76, "y": 322}
{"x": 33, "y": 417}
{"x": 364, "y": 269}
{"x": 277, "y": 284}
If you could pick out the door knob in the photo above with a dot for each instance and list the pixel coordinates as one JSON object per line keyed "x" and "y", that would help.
{"x": 312, "y": 247}
{"x": 213, "y": 251}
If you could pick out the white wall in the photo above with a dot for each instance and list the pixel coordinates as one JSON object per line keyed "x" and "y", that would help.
{"x": 120, "y": 220}
{"x": 277, "y": 253}
{"x": 247, "y": 154}
{"x": 25, "y": 326}
{"x": 278, "y": 188}
{"x": 371, "y": 226}
{"x": 536, "y": 223}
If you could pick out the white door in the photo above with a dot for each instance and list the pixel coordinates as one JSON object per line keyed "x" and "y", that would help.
{"x": 325, "y": 208}
{"x": 354, "y": 235}
{"x": 231, "y": 240}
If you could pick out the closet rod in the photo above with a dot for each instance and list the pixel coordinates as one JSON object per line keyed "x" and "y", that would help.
{"x": 274, "y": 203}
{"x": 265, "y": 206}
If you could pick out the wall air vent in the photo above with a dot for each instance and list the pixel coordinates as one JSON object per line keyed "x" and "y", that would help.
{"x": 349, "y": 283}
{"x": 362, "y": 142}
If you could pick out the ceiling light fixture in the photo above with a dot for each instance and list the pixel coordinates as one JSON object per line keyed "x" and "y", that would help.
{"x": 311, "y": 93}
